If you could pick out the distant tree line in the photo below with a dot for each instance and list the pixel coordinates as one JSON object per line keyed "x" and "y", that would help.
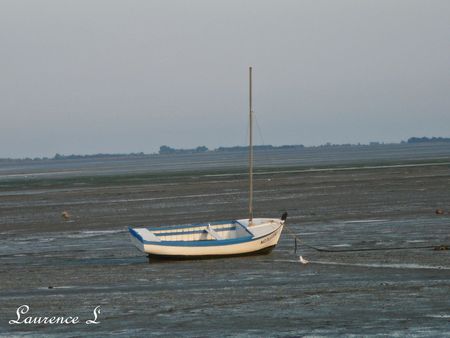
{"x": 74, "y": 157}
{"x": 100, "y": 155}
{"x": 169, "y": 150}
{"x": 258, "y": 147}
{"x": 428, "y": 139}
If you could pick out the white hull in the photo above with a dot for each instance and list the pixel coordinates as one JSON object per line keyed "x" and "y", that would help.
{"x": 262, "y": 235}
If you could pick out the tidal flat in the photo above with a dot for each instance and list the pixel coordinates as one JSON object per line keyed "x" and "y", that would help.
{"x": 372, "y": 210}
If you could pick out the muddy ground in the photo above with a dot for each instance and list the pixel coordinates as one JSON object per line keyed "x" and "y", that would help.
{"x": 68, "y": 267}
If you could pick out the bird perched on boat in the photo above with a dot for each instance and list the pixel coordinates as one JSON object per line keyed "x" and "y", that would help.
{"x": 302, "y": 260}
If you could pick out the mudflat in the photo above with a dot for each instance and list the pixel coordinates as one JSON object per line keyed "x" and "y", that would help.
{"x": 372, "y": 210}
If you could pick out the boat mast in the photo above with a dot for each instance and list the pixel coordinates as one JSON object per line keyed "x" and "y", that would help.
{"x": 250, "y": 152}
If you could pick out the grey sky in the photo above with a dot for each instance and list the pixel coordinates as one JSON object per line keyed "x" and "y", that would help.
{"x": 128, "y": 76}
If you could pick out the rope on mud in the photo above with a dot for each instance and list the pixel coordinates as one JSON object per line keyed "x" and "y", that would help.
{"x": 297, "y": 238}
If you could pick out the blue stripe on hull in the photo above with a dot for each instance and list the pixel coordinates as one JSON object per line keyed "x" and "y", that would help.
{"x": 135, "y": 234}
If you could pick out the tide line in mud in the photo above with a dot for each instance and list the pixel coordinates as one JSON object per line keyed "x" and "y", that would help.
{"x": 375, "y": 265}
{"x": 294, "y": 171}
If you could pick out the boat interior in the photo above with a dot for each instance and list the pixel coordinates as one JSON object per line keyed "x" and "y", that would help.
{"x": 216, "y": 231}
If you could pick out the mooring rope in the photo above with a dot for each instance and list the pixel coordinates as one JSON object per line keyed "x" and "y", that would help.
{"x": 297, "y": 238}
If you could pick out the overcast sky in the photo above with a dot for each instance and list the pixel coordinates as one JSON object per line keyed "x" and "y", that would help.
{"x": 109, "y": 76}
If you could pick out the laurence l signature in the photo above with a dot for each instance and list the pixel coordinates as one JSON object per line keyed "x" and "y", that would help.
{"x": 24, "y": 309}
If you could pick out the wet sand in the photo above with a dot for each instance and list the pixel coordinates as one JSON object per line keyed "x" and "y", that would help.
{"x": 61, "y": 267}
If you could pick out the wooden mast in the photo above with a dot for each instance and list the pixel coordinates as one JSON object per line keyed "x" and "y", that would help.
{"x": 250, "y": 152}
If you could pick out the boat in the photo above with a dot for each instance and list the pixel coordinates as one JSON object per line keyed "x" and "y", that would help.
{"x": 248, "y": 236}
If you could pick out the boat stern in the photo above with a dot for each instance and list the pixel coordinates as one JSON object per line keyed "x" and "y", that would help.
{"x": 136, "y": 239}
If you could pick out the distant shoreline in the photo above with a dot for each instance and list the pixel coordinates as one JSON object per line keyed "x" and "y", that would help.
{"x": 167, "y": 151}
